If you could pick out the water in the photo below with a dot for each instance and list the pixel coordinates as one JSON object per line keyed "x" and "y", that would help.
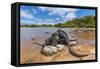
{"x": 39, "y": 34}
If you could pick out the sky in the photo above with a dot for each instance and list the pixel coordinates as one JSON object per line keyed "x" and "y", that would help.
{"x": 50, "y": 15}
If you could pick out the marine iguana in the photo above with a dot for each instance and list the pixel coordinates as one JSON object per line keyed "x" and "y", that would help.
{"x": 61, "y": 39}
{"x": 63, "y": 35}
{"x": 52, "y": 40}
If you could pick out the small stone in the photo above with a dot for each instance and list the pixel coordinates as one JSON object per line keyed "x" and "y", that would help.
{"x": 73, "y": 43}
{"x": 60, "y": 47}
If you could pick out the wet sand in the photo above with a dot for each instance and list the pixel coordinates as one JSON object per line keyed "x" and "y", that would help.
{"x": 31, "y": 53}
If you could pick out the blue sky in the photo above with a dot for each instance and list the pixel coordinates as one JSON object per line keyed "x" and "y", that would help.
{"x": 50, "y": 15}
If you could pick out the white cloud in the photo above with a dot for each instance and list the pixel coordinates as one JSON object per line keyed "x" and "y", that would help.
{"x": 43, "y": 8}
{"x": 37, "y": 22}
{"x": 57, "y": 11}
{"x": 63, "y": 14}
{"x": 57, "y": 18}
{"x": 23, "y": 21}
{"x": 26, "y": 14}
{"x": 61, "y": 11}
{"x": 70, "y": 15}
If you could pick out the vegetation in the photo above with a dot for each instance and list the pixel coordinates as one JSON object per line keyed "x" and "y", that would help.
{"x": 86, "y": 22}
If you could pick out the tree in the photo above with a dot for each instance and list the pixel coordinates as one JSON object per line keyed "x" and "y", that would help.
{"x": 85, "y": 21}
{"x": 58, "y": 25}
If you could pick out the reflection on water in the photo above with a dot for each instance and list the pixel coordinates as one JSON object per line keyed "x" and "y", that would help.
{"x": 86, "y": 37}
{"x": 39, "y": 34}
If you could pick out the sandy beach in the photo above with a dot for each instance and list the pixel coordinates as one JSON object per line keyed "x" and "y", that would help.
{"x": 33, "y": 54}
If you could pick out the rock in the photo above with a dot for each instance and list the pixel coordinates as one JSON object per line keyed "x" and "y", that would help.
{"x": 49, "y": 50}
{"x": 73, "y": 43}
{"x": 60, "y": 47}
